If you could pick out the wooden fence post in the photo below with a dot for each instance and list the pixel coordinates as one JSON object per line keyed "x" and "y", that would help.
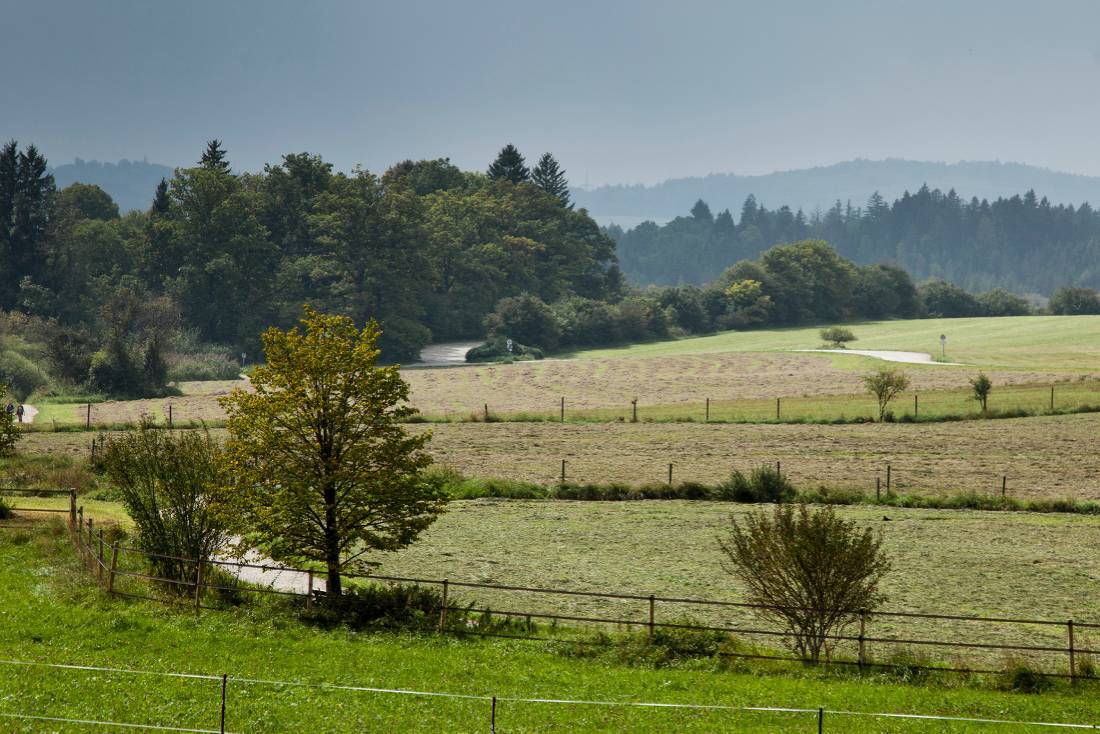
{"x": 652, "y": 624}
{"x": 563, "y": 471}
{"x": 634, "y": 410}
{"x": 114, "y": 565}
{"x": 309, "y": 591}
{"x": 1052, "y": 398}
{"x": 88, "y": 418}
{"x": 777, "y": 409}
{"x": 486, "y": 405}
{"x": 778, "y": 469}
{"x": 1004, "y": 485}
{"x": 493, "y": 717}
{"x": 1072, "y": 660}
{"x": 862, "y": 630}
{"x": 916, "y": 405}
{"x": 888, "y": 470}
{"x": 169, "y": 415}
{"x": 820, "y": 720}
{"x": 443, "y": 609}
{"x": 563, "y": 409}
{"x": 198, "y": 586}
{"x": 706, "y": 415}
{"x": 670, "y": 474}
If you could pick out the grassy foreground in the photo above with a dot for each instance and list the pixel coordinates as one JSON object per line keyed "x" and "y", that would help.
{"x": 50, "y": 613}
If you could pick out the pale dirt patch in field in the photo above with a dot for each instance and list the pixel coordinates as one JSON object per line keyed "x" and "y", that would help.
{"x": 606, "y": 383}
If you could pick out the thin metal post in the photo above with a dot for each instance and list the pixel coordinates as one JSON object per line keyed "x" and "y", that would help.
{"x": 493, "y": 717}
{"x": 1072, "y": 656}
{"x": 443, "y": 609}
{"x": 820, "y": 720}
{"x": 652, "y": 603}
{"x": 225, "y": 680}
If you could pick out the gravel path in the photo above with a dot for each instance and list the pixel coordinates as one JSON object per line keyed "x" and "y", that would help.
{"x": 444, "y": 354}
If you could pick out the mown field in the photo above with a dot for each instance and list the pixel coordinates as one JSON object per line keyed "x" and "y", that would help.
{"x": 50, "y": 613}
{"x": 1047, "y": 457}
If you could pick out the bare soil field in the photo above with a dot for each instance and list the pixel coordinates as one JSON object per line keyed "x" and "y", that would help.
{"x": 669, "y": 380}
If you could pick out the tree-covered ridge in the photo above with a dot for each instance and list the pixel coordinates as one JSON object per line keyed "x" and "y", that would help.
{"x": 425, "y": 248}
{"x": 1022, "y": 243}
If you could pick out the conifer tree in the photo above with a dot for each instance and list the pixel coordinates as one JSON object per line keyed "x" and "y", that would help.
{"x": 550, "y": 177}
{"x": 213, "y": 158}
{"x": 509, "y": 166}
{"x": 160, "y": 198}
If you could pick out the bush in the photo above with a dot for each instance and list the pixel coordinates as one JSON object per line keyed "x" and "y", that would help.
{"x": 524, "y": 318}
{"x": 496, "y": 350}
{"x": 765, "y": 484}
{"x": 837, "y": 336}
{"x": 21, "y": 374}
{"x": 402, "y": 339}
{"x": 375, "y": 605}
{"x": 165, "y": 481}
{"x": 5, "y": 510}
{"x": 1020, "y": 676}
{"x": 812, "y": 570}
{"x": 585, "y": 322}
{"x": 209, "y": 364}
{"x": 9, "y": 432}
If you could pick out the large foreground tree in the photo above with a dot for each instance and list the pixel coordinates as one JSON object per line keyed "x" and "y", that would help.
{"x": 321, "y": 468}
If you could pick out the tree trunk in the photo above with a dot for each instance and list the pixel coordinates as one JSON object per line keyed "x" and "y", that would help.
{"x": 333, "y": 587}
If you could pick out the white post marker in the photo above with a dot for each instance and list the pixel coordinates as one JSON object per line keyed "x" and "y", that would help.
{"x": 509, "y": 345}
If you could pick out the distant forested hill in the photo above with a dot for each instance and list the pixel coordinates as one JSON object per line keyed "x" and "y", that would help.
{"x": 820, "y": 188}
{"x": 1022, "y": 243}
{"x": 130, "y": 183}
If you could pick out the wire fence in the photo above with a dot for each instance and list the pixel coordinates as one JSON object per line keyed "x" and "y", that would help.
{"x": 871, "y": 639}
{"x": 493, "y": 715}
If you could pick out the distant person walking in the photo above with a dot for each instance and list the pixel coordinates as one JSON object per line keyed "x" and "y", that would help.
{"x": 19, "y": 412}
{"x": 10, "y": 408}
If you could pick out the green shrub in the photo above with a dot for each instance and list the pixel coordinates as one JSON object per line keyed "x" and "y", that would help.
{"x": 21, "y": 374}
{"x": 1020, "y": 676}
{"x": 405, "y": 606}
{"x": 496, "y": 350}
{"x": 210, "y": 364}
{"x": 765, "y": 484}
{"x": 5, "y": 510}
{"x": 837, "y": 336}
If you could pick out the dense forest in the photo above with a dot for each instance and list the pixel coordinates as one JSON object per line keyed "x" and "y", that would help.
{"x": 92, "y": 300}
{"x": 1022, "y": 243}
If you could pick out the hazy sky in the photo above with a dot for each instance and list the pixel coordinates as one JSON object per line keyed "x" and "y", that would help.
{"x": 634, "y": 91}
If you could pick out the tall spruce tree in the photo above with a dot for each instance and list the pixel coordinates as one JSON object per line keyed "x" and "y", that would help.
{"x": 509, "y": 166}
{"x": 213, "y": 157}
{"x": 550, "y": 177}
{"x": 160, "y": 198}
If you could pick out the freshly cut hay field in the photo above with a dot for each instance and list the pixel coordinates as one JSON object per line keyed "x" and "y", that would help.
{"x": 961, "y": 563}
{"x": 606, "y": 382}
{"x": 1050, "y": 457}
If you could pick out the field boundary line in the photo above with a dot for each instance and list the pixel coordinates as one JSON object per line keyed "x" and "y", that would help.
{"x": 118, "y": 724}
